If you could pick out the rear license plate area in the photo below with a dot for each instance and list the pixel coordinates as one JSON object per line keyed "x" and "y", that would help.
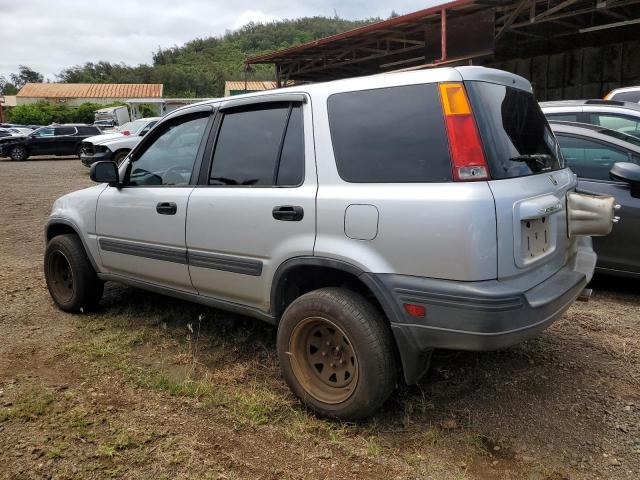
{"x": 536, "y": 237}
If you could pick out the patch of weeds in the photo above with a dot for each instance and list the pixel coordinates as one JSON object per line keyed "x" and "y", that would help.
{"x": 123, "y": 440}
{"x": 29, "y": 406}
{"x": 413, "y": 459}
{"x": 373, "y": 446}
{"x": 431, "y": 436}
{"x": 56, "y": 451}
{"x": 478, "y": 444}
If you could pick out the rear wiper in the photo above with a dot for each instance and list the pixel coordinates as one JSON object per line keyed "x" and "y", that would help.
{"x": 540, "y": 159}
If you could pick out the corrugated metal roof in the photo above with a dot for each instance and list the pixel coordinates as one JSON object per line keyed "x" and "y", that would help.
{"x": 253, "y": 86}
{"x": 91, "y": 90}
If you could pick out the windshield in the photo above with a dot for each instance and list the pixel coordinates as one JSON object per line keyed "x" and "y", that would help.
{"x": 516, "y": 136}
{"x": 133, "y": 127}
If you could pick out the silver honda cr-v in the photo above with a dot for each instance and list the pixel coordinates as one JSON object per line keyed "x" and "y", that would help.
{"x": 371, "y": 220}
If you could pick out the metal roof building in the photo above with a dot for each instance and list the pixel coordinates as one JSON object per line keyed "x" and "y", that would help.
{"x": 77, "y": 93}
{"x": 567, "y": 48}
{"x": 236, "y": 87}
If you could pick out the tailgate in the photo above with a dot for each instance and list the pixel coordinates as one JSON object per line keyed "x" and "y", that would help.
{"x": 528, "y": 179}
{"x": 531, "y": 225}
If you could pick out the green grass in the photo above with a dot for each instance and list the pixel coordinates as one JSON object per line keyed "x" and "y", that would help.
{"x": 29, "y": 406}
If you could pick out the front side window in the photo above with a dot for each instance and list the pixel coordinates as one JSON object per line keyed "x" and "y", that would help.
{"x": 390, "y": 135}
{"x": 589, "y": 159}
{"x": 169, "y": 159}
{"x": 260, "y": 146}
{"x": 619, "y": 123}
{"x": 44, "y": 132}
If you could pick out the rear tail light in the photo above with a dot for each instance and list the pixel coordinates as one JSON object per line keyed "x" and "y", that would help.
{"x": 467, "y": 155}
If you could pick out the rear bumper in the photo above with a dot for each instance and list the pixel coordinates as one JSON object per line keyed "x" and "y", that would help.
{"x": 478, "y": 316}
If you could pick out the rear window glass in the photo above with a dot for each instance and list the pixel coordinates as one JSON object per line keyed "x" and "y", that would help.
{"x": 516, "y": 137}
{"x": 392, "y": 135}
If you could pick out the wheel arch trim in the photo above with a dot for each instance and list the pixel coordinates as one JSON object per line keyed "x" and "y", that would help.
{"x": 54, "y": 221}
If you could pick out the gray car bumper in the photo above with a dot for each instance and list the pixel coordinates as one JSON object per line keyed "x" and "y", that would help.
{"x": 477, "y": 316}
{"x": 88, "y": 160}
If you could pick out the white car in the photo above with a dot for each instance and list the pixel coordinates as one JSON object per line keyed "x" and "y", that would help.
{"x": 626, "y": 94}
{"x": 115, "y": 146}
{"x": 20, "y": 131}
{"x": 623, "y": 117}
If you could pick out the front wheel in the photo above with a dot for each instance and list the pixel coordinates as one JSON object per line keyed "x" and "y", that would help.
{"x": 336, "y": 353}
{"x": 71, "y": 280}
{"x": 119, "y": 157}
{"x": 18, "y": 153}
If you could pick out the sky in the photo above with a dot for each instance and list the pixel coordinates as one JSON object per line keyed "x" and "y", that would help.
{"x": 50, "y": 35}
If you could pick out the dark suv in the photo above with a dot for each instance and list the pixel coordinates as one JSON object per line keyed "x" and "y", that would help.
{"x": 52, "y": 140}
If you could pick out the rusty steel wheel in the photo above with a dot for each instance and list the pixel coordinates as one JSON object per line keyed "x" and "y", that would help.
{"x": 323, "y": 360}
{"x": 71, "y": 279}
{"x": 61, "y": 283}
{"x": 336, "y": 353}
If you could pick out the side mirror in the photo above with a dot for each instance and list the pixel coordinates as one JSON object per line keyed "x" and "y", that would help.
{"x": 104, "y": 172}
{"x": 627, "y": 172}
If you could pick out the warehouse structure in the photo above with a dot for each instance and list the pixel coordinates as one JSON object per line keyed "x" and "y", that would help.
{"x": 567, "y": 48}
{"x": 74, "y": 94}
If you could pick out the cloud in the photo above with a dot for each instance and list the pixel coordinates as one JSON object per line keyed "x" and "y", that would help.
{"x": 51, "y": 35}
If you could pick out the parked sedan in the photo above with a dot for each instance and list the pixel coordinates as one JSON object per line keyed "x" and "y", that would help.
{"x": 52, "y": 140}
{"x": 613, "y": 114}
{"x": 608, "y": 163}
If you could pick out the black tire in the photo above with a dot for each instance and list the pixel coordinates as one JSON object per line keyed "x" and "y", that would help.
{"x": 18, "y": 153}
{"x": 64, "y": 259}
{"x": 119, "y": 156}
{"x": 365, "y": 334}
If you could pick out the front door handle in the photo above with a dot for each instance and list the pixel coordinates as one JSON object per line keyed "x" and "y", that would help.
{"x": 166, "y": 208}
{"x": 288, "y": 213}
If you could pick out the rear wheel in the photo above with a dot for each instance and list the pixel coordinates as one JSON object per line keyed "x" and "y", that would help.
{"x": 79, "y": 151}
{"x": 119, "y": 157}
{"x": 18, "y": 153}
{"x": 71, "y": 280}
{"x": 336, "y": 353}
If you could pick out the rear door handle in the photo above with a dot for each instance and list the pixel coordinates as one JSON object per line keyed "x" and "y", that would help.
{"x": 166, "y": 208}
{"x": 288, "y": 213}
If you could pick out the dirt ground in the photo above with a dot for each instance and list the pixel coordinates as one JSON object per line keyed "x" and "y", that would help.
{"x": 151, "y": 387}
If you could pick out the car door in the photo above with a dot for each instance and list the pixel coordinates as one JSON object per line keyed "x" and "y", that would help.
{"x": 591, "y": 161}
{"x": 65, "y": 141}
{"x": 254, "y": 206}
{"x": 140, "y": 226}
{"x": 41, "y": 141}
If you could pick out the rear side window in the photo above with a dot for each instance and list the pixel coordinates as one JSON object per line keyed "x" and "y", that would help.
{"x": 620, "y": 123}
{"x": 261, "y": 146}
{"x": 88, "y": 131}
{"x": 390, "y": 135}
{"x": 65, "y": 130}
{"x": 562, "y": 117}
{"x": 516, "y": 137}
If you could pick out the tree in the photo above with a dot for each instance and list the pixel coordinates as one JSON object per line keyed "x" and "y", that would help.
{"x": 6, "y": 87}
{"x": 25, "y": 75}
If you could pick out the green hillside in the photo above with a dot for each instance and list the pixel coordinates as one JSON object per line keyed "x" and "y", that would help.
{"x": 200, "y": 67}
